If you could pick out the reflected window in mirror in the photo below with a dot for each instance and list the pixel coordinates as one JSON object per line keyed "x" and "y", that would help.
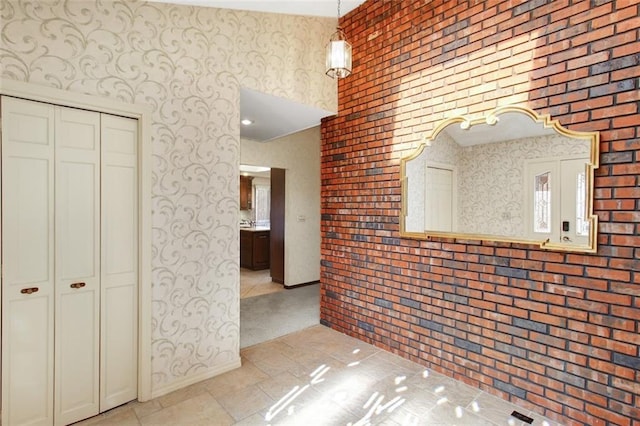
{"x": 542, "y": 203}
{"x": 262, "y": 204}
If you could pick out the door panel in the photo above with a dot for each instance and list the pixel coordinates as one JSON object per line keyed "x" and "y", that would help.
{"x": 261, "y": 248}
{"x": 29, "y": 397}
{"x": 28, "y": 262}
{"x": 119, "y": 376}
{"x": 77, "y": 264}
{"x": 29, "y": 237}
{"x": 119, "y": 325}
{"x": 77, "y": 219}
{"x": 77, "y": 396}
{"x": 120, "y": 225}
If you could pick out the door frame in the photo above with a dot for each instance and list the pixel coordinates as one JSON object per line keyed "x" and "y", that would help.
{"x": 142, "y": 114}
{"x": 277, "y": 226}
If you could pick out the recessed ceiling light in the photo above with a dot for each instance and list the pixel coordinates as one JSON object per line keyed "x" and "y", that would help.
{"x": 246, "y": 122}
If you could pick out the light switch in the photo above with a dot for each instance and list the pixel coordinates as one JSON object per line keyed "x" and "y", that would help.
{"x": 301, "y": 218}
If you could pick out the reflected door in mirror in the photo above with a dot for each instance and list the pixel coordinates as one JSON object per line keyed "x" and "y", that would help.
{"x": 555, "y": 200}
{"x": 440, "y": 198}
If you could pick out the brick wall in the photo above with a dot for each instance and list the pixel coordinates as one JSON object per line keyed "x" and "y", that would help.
{"x": 554, "y": 332}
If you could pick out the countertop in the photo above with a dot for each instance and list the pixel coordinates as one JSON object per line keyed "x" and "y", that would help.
{"x": 255, "y": 228}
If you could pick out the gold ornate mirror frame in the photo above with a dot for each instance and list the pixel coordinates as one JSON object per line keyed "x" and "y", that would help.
{"x": 501, "y": 131}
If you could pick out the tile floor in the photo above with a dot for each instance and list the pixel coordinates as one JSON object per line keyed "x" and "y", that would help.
{"x": 257, "y": 283}
{"x": 318, "y": 376}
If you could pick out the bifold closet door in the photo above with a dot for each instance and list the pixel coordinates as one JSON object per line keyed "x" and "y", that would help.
{"x": 28, "y": 262}
{"x": 70, "y": 262}
{"x": 77, "y": 243}
{"x": 119, "y": 275}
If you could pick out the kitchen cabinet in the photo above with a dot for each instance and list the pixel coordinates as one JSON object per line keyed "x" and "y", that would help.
{"x": 246, "y": 249}
{"x": 246, "y": 191}
{"x": 254, "y": 249}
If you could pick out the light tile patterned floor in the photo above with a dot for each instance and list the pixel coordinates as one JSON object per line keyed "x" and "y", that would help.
{"x": 257, "y": 283}
{"x": 320, "y": 377}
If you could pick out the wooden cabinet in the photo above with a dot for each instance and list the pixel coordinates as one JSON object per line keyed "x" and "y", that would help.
{"x": 246, "y": 249}
{"x": 246, "y": 191}
{"x": 261, "y": 250}
{"x": 254, "y": 249}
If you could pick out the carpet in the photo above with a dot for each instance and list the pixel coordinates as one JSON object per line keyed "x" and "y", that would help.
{"x": 274, "y": 315}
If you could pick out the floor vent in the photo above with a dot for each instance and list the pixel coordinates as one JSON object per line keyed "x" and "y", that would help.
{"x": 522, "y": 417}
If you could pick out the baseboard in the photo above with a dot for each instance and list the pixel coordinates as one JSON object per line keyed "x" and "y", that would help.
{"x": 288, "y": 287}
{"x": 184, "y": 382}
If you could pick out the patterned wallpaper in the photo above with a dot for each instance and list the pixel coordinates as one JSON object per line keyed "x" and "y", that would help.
{"x": 188, "y": 64}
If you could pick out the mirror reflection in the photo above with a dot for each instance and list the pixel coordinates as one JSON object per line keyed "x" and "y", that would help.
{"x": 512, "y": 176}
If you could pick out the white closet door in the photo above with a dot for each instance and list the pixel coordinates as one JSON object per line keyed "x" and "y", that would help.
{"x": 119, "y": 320}
{"x": 28, "y": 262}
{"x": 77, "y": 326}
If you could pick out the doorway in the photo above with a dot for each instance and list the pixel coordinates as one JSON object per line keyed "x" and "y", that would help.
{"x": 261, "y": 230}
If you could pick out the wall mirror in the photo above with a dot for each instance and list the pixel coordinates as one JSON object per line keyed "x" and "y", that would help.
{"x": 512, "y": 176}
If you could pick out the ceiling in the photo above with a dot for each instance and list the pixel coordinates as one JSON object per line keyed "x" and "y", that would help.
{"x": 508, "y": 124}
{"x": 326, "y": 8}
{"x": 274, "y": 117}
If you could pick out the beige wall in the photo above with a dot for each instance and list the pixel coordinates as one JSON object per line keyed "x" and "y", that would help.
{"x": 187, "y": 64}
{"x": 299, "y": 155}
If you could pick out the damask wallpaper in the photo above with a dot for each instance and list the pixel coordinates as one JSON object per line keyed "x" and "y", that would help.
{"x": 188, "y": 64}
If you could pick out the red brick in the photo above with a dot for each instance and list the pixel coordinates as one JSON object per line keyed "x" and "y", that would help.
{"x": 616, "y": 346}
{"x": 591, "y": 14}
{"x": 565, "y": 269}
{"x": 625, "y": 73}
{"x": 613, "y": 111}
{"x": 607, "y": 415}
{"x": 583, "y": 61}
{"x": 567, "y": 12}
{"x": 616, "y": 40}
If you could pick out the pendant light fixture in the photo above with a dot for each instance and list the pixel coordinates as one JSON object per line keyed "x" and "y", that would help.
{"x": 338, "y": 53}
